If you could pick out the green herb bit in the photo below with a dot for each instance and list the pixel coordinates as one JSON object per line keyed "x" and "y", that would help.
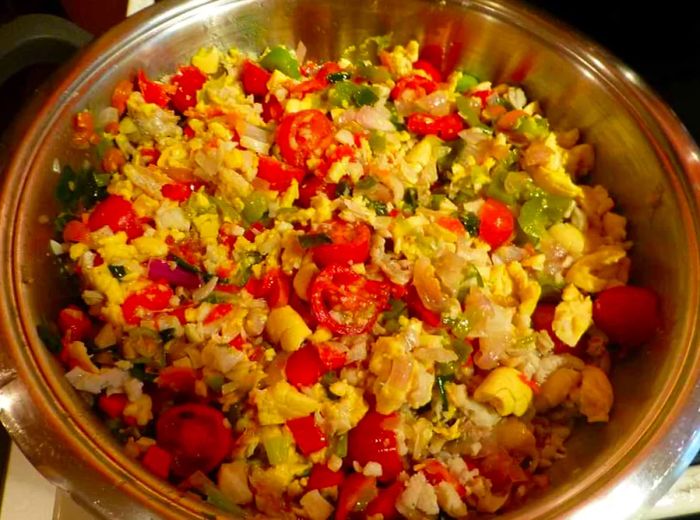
{"x": 410, "y": 199}
{"x": 335, "y": 77}
{"x": 378, "y": 207}
{"x": 245, "y": 266}
{"x": 118, "y": 271}
{"x": 184, "y": 264}
{"x": 167, "y": 334}
{"x": 314, "y": 239}
{"x": 343, "y": 189}
{"x": 471, "y": 223}
{"x": 366, "y": 183}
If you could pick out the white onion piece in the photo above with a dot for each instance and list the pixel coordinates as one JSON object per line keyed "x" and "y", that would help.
{"x": 436, "y": 104}
{"x": 205, "y": 290}
{"x": 345, "y": 136}
{"x": 260, "y": 147}
{"x": 301, "y": 52}
{"x": 107, "y": 115}
{"x": 375, "y": 118}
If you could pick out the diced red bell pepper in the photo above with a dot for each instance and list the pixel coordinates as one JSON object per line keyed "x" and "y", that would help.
{"x": 322, "y": 477}
{"x": 178, "y": 192}
{"x": 278, "y": 174}
{"x": 76, "y": 231}
{"x": 74, "y": 324}
{"x": 452, "y": 224}
{"x": 116, "y": 213}
{"x": 152, "y": 91}
{"x": 350, "y": 244}
{"x": 180, "y": 380}
{"x": 189, "y": 80}
{"x": 155, "y": 297}
{"x": 445, "y": 127}
{"x": 482, "y": 95}
{"x": 254, "y": 78}
{"x": 157, "y": 461}
{"x": 112, "y": 405}
{"x": 374, "y": 440}
{"x": 356, "y": 492}
{"x": 219, "y": 311}
{"x": 429, "y": 69}
{"x": 450, "y": 126}
{"x": 385, "y": 503}
{"x": 417, "y": 308}
{"x": 308, "y": 436}
{"x": 304, "y": 367}
{"x": 272, "y": 109}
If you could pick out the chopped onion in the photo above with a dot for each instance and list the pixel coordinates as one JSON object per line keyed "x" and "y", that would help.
{"x": 375, "y": 118}
{"x": 206, "y": 289}
{"x": 257, "y": 146}
{"x": 436, "y": 104}
{"x": 345, "y": 136}
{"x": 107, "y": 115}
{"x": 245, "y": 129}
{"x": 301, "y": 52}
{"x": 177, "y": 276}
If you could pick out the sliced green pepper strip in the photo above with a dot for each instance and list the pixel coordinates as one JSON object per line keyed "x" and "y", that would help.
{"x": 280, "y": 58}
{"x": 465, "y": 82}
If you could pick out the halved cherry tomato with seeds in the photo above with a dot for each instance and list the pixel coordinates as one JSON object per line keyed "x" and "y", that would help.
{"x": 346, "y": 302}
{"x": 304, "y": 135}
{"x": 74, "y": 323}
{"x": 195, "y": 435}
{"x": 350, "y": 243}
{"x": 412, "y": 87}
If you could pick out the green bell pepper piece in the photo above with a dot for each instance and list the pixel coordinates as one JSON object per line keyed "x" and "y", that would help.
{"x": 280, "y": 58}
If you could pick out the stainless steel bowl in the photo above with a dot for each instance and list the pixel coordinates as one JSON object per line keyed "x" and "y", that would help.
{"x": 645, "y": 158}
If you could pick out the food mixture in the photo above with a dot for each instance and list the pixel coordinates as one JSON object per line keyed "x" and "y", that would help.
{"x": 364, "y": 288}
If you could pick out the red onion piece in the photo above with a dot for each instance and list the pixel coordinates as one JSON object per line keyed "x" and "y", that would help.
{"x": 162, "y": 270}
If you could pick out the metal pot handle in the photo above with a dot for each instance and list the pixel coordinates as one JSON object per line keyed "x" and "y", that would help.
{"x": 37, "y": 38}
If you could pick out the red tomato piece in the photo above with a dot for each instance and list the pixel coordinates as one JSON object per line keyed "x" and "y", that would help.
{"x": 304, "y": 135}
{"x": 412, "y": 87}
{"x": 322, "y": 477}
{"x": 116, "y": 213}
{"x": 112, "y": 405}
{"x": 482, "y": 95}
{"x": 302, "y": 309}
{"x": 272, "y": 109}
{"x": 121, "y": 94}
{"x": 452, "y": 224}
{"x": 313, "y": 185}
{"x": 157, "y": 461}
{"x": 278, "y": 174}
{"x": 497, "y": 223}
{"x": 155, "y": 297}
{"x": 151, "y": 155}
{"x": 385, "y": 503}
{"x": 436, "y": 472}
{"x": 180, "y": 380}
{"x": 358, "y": 299}
{"x": 351, "y": 244}
{"x": 429, "y": 69}
{"x": 152, "y": 91}
{"x": 308, "y": 436}
{"x": 218, "y": 312}
{"x": 303, "y": 367}
{"x": 178, "y": 192}
{"x": 189, "y": 80}
{"x": 356, "y": 492}
{"x": 74, "y": 323}
{"x": 195, "y": 435}
{"x": 423, "y": 124}
{"x": 417, "y": 308}
{"x": 542, "y": 319}
{"x": 502, "y": 470}
{"x": 332, "y": 358}
{"x": 374, "y": 440}
{"x": 277, "y": 287}
{"x": 450, "y": 126}
{"x": 629, "y": 315}
{"x": 254, "y": 78}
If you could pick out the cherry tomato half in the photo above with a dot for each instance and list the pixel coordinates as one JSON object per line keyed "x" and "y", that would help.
{"x": 351, "y": 244}
{"x": 356, "y": 301}
{"x": 196, "y": 437}
{"x": 254, "y": 78}
{"x": 304, "y": 135}
{"x": 629, "y": 315}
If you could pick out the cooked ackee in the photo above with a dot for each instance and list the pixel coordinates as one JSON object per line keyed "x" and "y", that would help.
{"x": 364, "y": 288}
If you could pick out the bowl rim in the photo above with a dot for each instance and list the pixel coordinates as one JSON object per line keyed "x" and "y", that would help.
{"x": 670, "y": 436}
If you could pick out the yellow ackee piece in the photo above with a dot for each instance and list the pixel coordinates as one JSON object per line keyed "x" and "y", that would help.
{"x": 281, "y": 402}
{"x": 207, "y": 60}
{"x": 573, "y": 316}
{"x": 286, "y": 327}
{"x": 597, "y": 271}
{"x": 150, "y": 247}
{"x": 505, "y": 390}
